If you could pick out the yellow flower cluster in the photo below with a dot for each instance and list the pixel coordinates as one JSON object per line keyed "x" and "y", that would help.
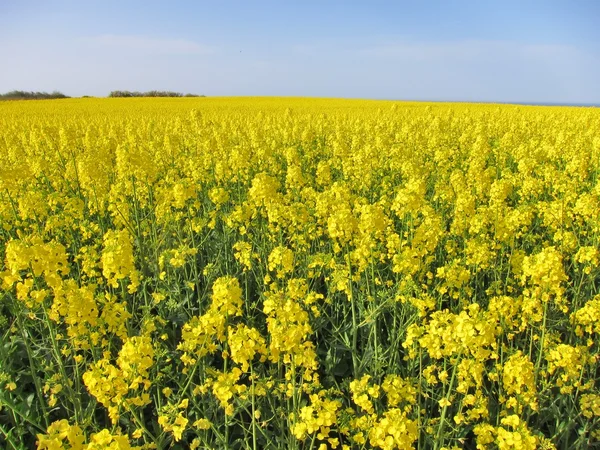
{"x": 118, "y": 261}
{"x": 546, "y": 273}
{"x": 590, "y": 405}
{"x": 319, "y": 416}
{"x": 281, "y": 260}
{"x": 172, "y": 418}
{"x": 63, "y": 436}
{"x": 447, "y": 334}
{"x": 518, "y": 379}
{"x": 225, "y": 387}
{"x": 363, "y": 393}
{"x": 512, "y": 435}
{"x": 201, "y": 334}
{"x": 244, "y": 343}
{"x": 289, "y": 329}
{"x": 391, "y": 429}
{"x": 126, "y": 384}
{"x": 39, "y": 259}
{"x": 567, "y": 362}
{"x": 77, "y": 307}
{"x": 587, "y": 318}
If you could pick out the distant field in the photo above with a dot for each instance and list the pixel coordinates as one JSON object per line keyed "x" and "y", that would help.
{"x": 287, "y": 273}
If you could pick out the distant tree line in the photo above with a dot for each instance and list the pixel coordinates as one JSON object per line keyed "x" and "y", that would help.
{"x": 24, "y": 95}
{"x": 151, "y": 94}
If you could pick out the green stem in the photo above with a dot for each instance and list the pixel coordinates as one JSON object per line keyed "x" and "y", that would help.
{"x": 36, "y": 380}
{"x": 141, "y": 425}
{"x": 75, "y": 399}
{"x": 253, "y": 409}
{"x": 542, "y": 338}
{"x": 8, "y": 437}
{"x": 354, "y": 320}
{"x": 14, "y": 410}
{"x": 445, "y": 408}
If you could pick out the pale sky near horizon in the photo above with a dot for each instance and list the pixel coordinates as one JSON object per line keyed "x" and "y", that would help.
{"x": 502, "y": 51}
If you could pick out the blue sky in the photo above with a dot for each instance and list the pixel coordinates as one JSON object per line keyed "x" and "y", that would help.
{"x": 506, "y": 51}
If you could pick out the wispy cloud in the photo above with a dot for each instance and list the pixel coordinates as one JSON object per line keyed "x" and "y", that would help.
{"x": 467, "y": 50}
{"x": 150, "y": 45}
{"x": 424, "y": 51}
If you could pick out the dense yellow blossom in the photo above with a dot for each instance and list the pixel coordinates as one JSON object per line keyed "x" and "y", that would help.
{"x": 278, "y": 272}
{"x": 118, "y": 261}
{"x": 518, "y": 379}
{"x": 125, "y": 385}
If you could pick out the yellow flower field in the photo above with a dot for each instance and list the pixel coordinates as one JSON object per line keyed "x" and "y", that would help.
{"x": 282, "y": 273}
